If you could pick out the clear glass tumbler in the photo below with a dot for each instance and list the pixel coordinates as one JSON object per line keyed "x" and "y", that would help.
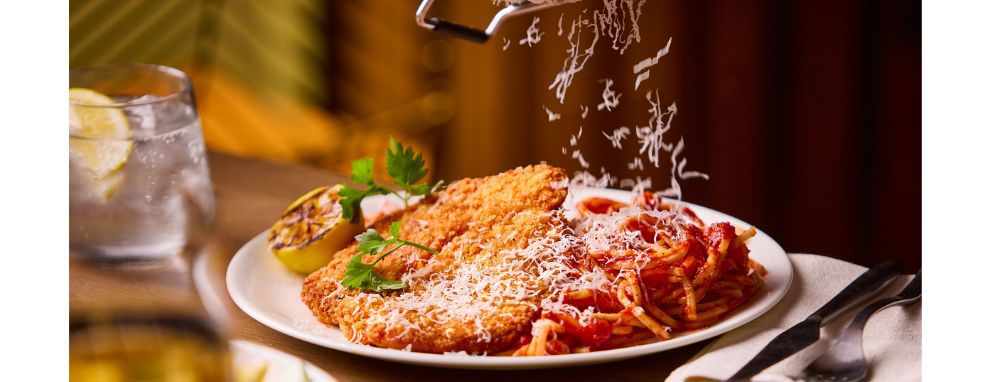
{"x": 139, "y": 183}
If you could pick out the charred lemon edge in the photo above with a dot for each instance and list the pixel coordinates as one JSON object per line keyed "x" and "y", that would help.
{"x": 316, "y": 252}
{"x": 309, "y": 195}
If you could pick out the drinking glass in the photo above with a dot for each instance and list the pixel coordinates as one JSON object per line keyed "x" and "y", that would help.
{"x": 139, "y": 183}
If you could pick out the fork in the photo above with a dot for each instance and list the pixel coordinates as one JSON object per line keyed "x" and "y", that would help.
{"x": 845, "y": 361}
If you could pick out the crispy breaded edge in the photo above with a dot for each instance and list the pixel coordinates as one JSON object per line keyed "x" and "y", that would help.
{"x": 320, "y": 288}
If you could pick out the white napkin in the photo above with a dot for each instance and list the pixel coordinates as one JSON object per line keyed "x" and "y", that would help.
{"x": 892, "y": 338}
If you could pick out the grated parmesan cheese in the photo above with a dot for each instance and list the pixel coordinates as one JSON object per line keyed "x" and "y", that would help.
{"x": 533, "y": 34}
{"x": 651, "y": 61}
{"x": 636, "y": 164}
{"x": 620, "y": 21}
{"x": 640, "y": 68}
{"x": 551, "y": 116}
{"x": 618, "y": 136}
{"x": 609, "y": 97}
{"x": 578, "y": 55}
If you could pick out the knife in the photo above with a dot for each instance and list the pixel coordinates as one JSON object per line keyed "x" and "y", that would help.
{"x": 806, "y": 333}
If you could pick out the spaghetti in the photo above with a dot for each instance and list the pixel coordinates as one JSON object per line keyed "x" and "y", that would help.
{"x": 667, "y": 273}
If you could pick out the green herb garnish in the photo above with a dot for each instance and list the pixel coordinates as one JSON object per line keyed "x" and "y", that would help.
{"x": 404, "y": 166}
{"x": 361, "y": 173}
{"x": 360, "y": 275}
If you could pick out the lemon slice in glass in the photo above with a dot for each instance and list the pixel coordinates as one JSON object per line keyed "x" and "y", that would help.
{"x": 99, "y": 139}
{"x": 311, "y": 230}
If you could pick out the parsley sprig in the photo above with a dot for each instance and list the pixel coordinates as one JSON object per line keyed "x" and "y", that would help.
{"x": 360, "y": 275}
{"x": 404, "y": 166}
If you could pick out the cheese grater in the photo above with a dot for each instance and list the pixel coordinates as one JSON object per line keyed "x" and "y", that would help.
{"x": 478, "y": 35}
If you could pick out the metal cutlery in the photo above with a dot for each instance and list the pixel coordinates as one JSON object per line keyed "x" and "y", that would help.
{"x": 473, "y": 34}
{"x": 806, "y": 333}
{"x": 845, "y": 361}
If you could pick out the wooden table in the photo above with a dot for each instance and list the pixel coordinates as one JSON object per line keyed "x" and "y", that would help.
{"x": 250, "y": 195}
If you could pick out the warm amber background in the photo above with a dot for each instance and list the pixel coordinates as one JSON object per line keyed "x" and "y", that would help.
{"x": 806, "y": 114}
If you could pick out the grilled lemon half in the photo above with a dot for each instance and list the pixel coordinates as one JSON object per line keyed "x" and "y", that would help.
{"x": 311, "y": 230}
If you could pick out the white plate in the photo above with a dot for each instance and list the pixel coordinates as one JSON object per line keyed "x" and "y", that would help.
{"x": 280, "y": 366}
{"x": 269, "y": 293}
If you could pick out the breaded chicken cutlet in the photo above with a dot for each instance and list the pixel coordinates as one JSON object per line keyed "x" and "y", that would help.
{"x": 479, "y": 293}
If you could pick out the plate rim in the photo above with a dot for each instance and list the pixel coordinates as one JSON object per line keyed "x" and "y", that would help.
{"x": 493, "y": 362}
{"x": 247, "y": 346}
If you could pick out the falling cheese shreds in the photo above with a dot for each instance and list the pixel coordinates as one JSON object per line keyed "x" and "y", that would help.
{"x": 637, "y": 185}
{"x": 609, "y": 97}
{"x": 617, "y": 137}
{"x": 577, "y": 155}
{"x": 640, "y": 68}
{"x": 551, "y": 116}
{"x": 533, "y": 34}
{"x": 678, "y": 172}
{"x": 636, "y": 164}
{"x": 640, "y": 79}
{"x": 651, "y": 61}
{"x": 586, "y": 179}
{"x": 578, "y": 55}
{"x": 505, "y": 43}
{"x": 619, "y": 20}
{"x": 651, "y": 136}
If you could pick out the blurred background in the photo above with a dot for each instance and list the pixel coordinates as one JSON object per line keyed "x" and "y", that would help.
{"x": 806, "y": 115}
